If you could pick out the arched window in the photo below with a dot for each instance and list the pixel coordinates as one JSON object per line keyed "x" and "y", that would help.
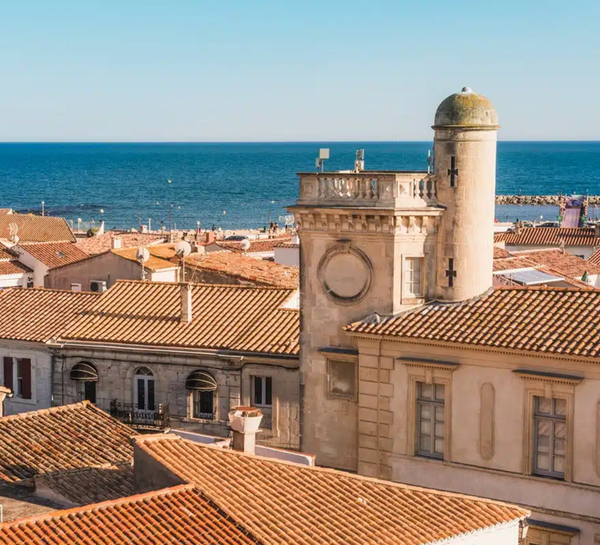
{"x": 203, "y": 387}
{"x": 87, "y": 375}
{"x": 143, "y": 389}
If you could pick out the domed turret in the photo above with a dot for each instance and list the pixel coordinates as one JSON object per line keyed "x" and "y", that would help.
{"x": 466, "y": 109}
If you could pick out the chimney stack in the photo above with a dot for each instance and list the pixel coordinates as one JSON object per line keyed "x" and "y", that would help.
{"x": 116, "y": 243}
{"x": 597, "y": 230}
{"x": 4, "y": 393}
{"x": 186, "y": 303}
{"x": 245, "y": 424}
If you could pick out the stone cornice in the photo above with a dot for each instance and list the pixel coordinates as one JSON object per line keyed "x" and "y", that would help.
{"x": 548, "y": 377}
{"x": 431, "y": 364}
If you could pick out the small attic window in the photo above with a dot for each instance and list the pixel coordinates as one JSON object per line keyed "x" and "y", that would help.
{"x": 60, "y": 254}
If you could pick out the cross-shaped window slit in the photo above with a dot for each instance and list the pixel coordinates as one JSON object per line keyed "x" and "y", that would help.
{"x": 451, "y": 273}
{"x": 453, "y": 171}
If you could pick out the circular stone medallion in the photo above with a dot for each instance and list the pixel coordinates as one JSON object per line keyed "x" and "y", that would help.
{"x": 346, "y": 274}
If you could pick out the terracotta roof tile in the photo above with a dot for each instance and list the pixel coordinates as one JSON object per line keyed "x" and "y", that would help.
{"x": 538, "y": 319}
{"x": 103, "y": 243}
{"x": 238, "y": 318}
{"x": 6, "y": 254}
{"x": 256, "y": 245}
{"x": 281, "y": 502}
{"x": 549, "y": 236}
{"x": 86, "y": 485}
{"x": 13, "y": 267}
{"x": 37, "y": 314}
{"x": 160, "y": 256}
{"x": 4, "y": 211}
{"x": 175, "y": 516}
{"x": 595, "y": 257}
{"x": 61, "y": 438}
{"x": 36, "y": 228}
{"x": 54, "y": 254}
{"x": 564, "y": 262}
{"x": 513, "y": 262}
{"x": 257, "y": 271}
{"x": 500, "y": 253}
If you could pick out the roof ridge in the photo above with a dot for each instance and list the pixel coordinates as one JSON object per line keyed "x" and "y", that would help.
{"x": 33, "y": 414}
{"x": 203, "y": 285}
{"x": 37, "y": 288}
{"x": 342, "y": 474}
{"x": 101, "y": 505}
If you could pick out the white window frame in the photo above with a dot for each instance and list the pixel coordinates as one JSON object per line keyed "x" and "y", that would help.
{"x": 408, "y": 296}
{"x": 263, "y": 379}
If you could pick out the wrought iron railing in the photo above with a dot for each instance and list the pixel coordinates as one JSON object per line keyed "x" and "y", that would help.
{"x": 130, "y": 413}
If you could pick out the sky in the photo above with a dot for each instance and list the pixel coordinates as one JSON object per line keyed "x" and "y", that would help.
{"x": 287, "y": 70}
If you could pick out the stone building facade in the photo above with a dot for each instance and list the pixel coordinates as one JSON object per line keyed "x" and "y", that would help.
{"x": 119, "y": 371}
{"x": 449, "y": 404}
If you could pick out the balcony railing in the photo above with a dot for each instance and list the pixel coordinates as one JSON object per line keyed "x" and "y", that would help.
{"x": 129, "y": 413}
{"x": 377, "y": 189}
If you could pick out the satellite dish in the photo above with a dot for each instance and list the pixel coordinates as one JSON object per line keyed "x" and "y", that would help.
{"x": 183, "y": 249}
{"x": 245, "y": 244}
{"x": 142, "y": 255}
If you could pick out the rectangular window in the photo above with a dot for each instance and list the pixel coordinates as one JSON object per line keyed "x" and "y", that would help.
{"x": 430, "y": 430}
{"x": 17, "y": 376}
{"x": 89, "y": 391}
{"x": 341, "y": 378}
{"x": 263, "y": 391}
{"x": 413, "y": 277}
{"x": 549, "y": 437}
{"x": 204, "y": 405}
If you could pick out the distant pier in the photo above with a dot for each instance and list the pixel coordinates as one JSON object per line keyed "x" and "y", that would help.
{"x": 543, "y": 200}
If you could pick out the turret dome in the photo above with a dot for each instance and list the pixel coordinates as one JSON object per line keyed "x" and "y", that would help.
{"x": 466, "y": 109}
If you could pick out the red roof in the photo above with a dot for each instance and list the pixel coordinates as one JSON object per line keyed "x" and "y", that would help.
{"x": 549, "y": 236}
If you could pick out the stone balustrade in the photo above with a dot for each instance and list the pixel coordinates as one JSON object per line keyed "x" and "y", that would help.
{"x": 368, "y": 189}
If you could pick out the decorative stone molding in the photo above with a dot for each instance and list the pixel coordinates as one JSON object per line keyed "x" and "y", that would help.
{"x": 345, "y": 273}
{"x": 429, "y": 364}
{"x": 487, "y": 421}
{"x": 557, "y": 378}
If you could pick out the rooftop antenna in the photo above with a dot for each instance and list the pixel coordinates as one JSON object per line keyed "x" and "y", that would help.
{"x": 320, "y": 161}
{"x": 359, "y": 164}
{"x": 13, "y": 229}
{"x": 142, "y": 255}
{"x": 182, "y": 250}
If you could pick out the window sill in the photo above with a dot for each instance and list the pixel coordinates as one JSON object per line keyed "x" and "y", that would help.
{"x": 21, "y": 401}
{"x": 193, "y": 420}
{"x": 413, "y": 300}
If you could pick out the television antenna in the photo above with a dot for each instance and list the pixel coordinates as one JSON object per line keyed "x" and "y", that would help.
{"x": 182, "y": 250}
{"x": 13, "y": 229}
{"x": 320, "y": 161}
{"x": 142, "y": 255}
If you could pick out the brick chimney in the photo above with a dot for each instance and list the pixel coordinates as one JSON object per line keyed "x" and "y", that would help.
{"x": 116, "y": 243}
{"x": 245, "y": 424}
{"x": 209, "y": 237}
{"x": 186, "y": 303}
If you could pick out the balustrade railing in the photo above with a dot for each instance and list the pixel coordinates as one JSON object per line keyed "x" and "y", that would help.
{"x": 157, "y": 417}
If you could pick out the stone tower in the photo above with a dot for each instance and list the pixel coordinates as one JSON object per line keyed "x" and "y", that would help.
{"x": 367, "y": 246}
{"x": 465, "y": 164}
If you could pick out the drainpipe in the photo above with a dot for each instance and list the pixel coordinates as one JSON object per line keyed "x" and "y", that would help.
{"x": 378, "y": 405}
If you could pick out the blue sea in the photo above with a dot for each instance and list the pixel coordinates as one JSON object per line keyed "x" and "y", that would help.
{"x": 244, "y": 185}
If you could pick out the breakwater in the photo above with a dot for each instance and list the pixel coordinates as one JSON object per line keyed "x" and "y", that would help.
{"x": 542, "y": 200}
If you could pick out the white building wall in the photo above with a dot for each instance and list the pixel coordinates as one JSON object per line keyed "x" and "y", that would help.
{"x": 497, "y": 535}
{"x": 13, "y": 280}
{"x": 41, "y": 380}
{"x": 169, "y": 275}
{"x": 39, "y": 269}
{"x": 287, "y": 256}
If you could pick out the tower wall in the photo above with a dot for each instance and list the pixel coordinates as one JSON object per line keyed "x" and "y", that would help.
{"x": 466, "y": 234}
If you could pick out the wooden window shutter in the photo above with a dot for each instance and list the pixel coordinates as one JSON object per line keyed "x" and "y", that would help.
{"x": 25, "y": 373}
{"x": 8, "y": 372}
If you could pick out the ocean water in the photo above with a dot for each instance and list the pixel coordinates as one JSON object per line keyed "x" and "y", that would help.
{"x": 244, "y": 185}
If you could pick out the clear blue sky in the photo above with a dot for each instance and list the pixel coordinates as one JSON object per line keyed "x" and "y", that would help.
{"x": 257, "y": 70}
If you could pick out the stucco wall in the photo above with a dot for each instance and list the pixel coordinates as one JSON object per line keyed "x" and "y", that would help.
{"x": 39, "y": 269}
{"x": 41, "y": 382}
{"x": 116, "y": 372}
{"x": 488, "y": 409}
{"x": 287, "y": 256}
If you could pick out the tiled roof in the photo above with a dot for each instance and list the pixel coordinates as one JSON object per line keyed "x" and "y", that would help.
{"x": 549, "y": 236}
{"x": 238, "y": 318}
{"x": 256, "y": 245}
{"x": 281, "y": 502}
{"x": 36, "y": 228}
{"x": 38, "y": 314}
{"x": 4, "y": 211}
{"x": 54, "y": 254}
{"x": 257, "y": 271}
{"x": 107, "y": 482}
{"x": 6, "y": 254}
{"x": 595, "y": 257}
{"x": 178, "y": 515}
{"x": 564, "y": 262}
{"x": 537, "y": 319}
{"x": 13, "y": 267}
{"x": 61, "y": 438}
{"x": 513, "y": 262}
{"x": 160, "y": 256}
{"x": 103, "y": 243}
{"x": 500, "y": 253}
